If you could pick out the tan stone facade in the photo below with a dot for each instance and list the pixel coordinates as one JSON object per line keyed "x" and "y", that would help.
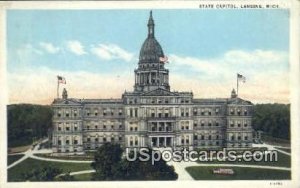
{"x": 151, "y": 115}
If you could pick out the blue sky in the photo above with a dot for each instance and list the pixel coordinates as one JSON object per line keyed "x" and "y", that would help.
{"x": 107, "y": 42}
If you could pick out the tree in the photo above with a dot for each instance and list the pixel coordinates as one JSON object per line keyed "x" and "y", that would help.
{"x": 273, "y": 119}
{"x": 106, "y": 161}
{"x": 110, "y": 165}
{"x": 42, "y": 174}
{"x": 27, "y": 121}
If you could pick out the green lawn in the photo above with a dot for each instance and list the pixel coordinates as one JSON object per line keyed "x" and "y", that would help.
{"x": 284, "y": 149}
{"x": 283, "y": 161}
{"x": 83, "y": 177}
{"x": 275, "y": 141}
{"x": 12, "y": 158}
{"x": 205, "y": 173}
{"x": 15, "y": 173}
{"x": 85, "y": 157}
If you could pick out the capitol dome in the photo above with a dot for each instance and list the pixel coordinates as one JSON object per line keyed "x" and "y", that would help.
{"x": 151, "y": 49}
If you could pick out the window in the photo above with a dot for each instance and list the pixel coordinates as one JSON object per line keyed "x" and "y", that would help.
{"x": 120, "y": 138}
{"x": 87, "y": 127}
{"x": 202, "y": 137}
{"x": 59, "y": 142}
{"x": 75, "y": 127}
{"x": 209, "y": 112}
{"x": 217, "y": 142}
{"x": 120, "y": 126}
{"x": 104, "y": 139}
{"x": 195, "y": 112}
{"x": 187, "y": 127}
{"x": 202, "y": 123}
{"x": 187, "y": 114}
{"x": 75, "y": 142}
{"x": 209, "y": 123}
{"x": 75, "y": 113}
{"x": 130, "y": 113}
{"x": 239, "y": 112}
{"x": 67, "y": 114}
{"x": 59, "y": 115}
{"x": 182, "y": 113}
{"x": 135, "y": 128}
{"x": 166, "y": 114}
{"x": 96, "y": 139}
{"x": 195, "y": 124}
{"x": 88, "y": 139}
{"x": 59, "y": 128}
{"x": 182, "y": 141}
{"x": 232, "y": 137}
{"x": 245, "y": 113}
{"x": 96, "y": 127}
{"x": 112, "y": 139}
{"x": 195, "y": 137}
{"x": 202, "y": 112}
{"x": 131, "y": 143}
{"x": 239, "y": 137}
{"x": 231, "y": 111}
{"x": 209, "y": 137}
{"x": 159, "y": 115}
{"x": 217, "y": 124}
{"x": 166, "y": 101}
{"x": 104, "y": 126}
{"x": 217, "y": 111}
{"x": 67, "y": 128}
{"x": 246, "y": 137}
{"x": 239, "y": 124}
{"x": 112, "y": 127}
{"x": 217, "y": 137}
{"x": 120, "y": 112}
{"x": 96, "y": 113}
{"x": 131, "y": 128}
{"x": 231, "y": 124}
{"x": 152, "y": 114}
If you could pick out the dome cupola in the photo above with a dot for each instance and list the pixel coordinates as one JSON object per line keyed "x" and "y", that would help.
{"x": 151, "y": 50}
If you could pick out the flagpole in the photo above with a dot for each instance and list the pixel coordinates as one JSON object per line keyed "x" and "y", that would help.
{"x": 158, "y": 81}
{"x": 237, "y": 85}
{"x": 57, "y": 89}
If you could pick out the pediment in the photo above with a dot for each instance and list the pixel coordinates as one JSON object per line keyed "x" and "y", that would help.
{"x": 159, "y": 92}
{"x": 66, "y": 102}
{"x": 239, "y": 101}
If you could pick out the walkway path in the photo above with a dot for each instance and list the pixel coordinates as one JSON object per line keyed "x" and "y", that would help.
{"x": 272, "y": 147}
{"x": 180, "y": 167}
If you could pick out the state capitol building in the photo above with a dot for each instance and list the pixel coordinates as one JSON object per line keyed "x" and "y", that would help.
{"x": 151, "y": 115}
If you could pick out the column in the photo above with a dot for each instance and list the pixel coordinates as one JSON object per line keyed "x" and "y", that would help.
{"x": 157, "y": 141}
{"x": 165, "y": 139}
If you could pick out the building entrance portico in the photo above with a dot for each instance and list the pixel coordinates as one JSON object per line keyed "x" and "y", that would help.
{"x": 161, "y": 141}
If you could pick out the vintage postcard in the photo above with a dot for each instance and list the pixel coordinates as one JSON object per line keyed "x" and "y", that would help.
{"x": 143, "y": 94}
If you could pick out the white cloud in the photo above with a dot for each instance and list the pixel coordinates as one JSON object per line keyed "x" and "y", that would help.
{"x": 76, "y": 47}
{"x": 266, "y": 80}
{"x": 49, "y": 47}
{"x": 110, "y": 52}
{"x": 266, "y": 72}
{"x": 39, "y": 85}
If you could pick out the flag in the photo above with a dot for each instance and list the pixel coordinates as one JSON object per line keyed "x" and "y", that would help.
{"x": 163, "y": 59}
{"x": 241, "y": 77}
{"x": 61, "y": 80}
